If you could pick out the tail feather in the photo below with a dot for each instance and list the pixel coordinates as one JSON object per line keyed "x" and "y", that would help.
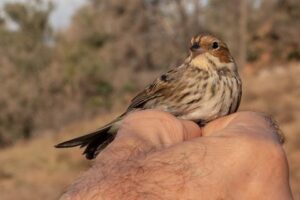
{"x": 94, "y": 142}
{"x": 96, "y": 145}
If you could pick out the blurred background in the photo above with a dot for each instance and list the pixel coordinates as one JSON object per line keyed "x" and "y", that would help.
{"x": 69, "y": 66}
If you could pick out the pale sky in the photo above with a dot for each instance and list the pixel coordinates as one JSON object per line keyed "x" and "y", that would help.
{"x": 64, "y": 9}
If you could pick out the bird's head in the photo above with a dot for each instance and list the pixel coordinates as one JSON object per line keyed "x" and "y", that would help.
{"x": 209, "y": 51}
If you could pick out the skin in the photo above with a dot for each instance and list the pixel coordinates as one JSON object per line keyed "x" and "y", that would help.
{"x": 157, "y": 156}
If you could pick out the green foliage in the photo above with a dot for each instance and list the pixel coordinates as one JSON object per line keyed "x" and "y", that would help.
{"x": 42, "y": 80}
{"x": 129, "y": 87}
{"x": 253, "y": 55}
{"x": 30, "y": 39}
{"x": 104, "y": 88}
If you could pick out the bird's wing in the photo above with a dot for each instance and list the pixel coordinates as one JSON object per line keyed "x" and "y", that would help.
{"x": 159, "y": 87}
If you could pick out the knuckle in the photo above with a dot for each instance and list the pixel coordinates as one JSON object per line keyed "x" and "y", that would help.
{"x": 251, "y": 114}
{"x": 263, "y": 157}
{"x": 266, "y": 122}
{"x": 263, "y": 150}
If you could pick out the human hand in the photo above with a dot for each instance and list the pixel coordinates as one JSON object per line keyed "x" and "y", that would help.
{"x": 157, "y": 156}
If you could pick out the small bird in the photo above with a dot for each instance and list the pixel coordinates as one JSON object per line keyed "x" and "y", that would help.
{"x": 204, "y": 87}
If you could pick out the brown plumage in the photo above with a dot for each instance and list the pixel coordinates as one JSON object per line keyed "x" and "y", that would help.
{"x": 206, "y": 86}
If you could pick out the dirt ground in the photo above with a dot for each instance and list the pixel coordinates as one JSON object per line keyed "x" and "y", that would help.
{"x": 35, "y": 170}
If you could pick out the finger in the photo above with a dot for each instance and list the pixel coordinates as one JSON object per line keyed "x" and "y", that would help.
{"x": 215, "y": 126}
{"x": 191, "y": 130}
{"x": 156, "y": 129}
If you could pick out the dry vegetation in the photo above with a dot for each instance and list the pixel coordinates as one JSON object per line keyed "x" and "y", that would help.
{"x": 52, "y": 78}
{"x": 111, "y": 49}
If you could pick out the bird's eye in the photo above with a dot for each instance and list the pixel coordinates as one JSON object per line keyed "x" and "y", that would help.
{"x": 215, "y": 45}
{"x": 195, "y": 46}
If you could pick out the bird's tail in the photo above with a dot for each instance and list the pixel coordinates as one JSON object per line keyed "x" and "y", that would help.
{"x": 94, "y": 142}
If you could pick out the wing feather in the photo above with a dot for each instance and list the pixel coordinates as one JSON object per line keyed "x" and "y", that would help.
{"x": 157, "y": 89}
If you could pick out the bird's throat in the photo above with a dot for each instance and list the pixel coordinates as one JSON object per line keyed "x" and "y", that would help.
{"x": 208, "y": 61}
